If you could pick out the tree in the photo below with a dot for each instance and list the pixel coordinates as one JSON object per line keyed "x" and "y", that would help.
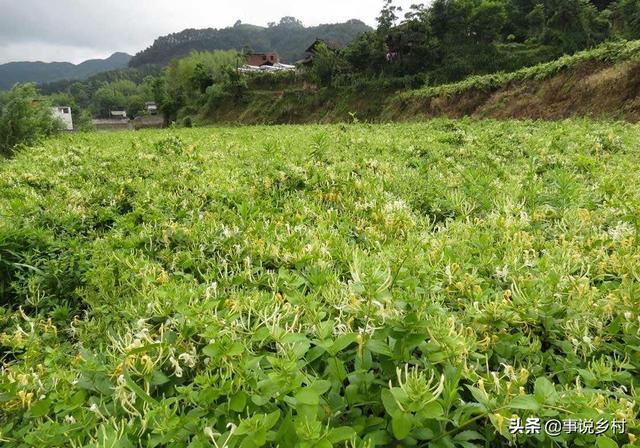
{"x": 627, "y": 18}
{"x": 573, "y": 25}
{"x": 486, "y": 21}
{"x": 289, "y": 21}
{"x": 367, "y": 53}
{"x": 25, "y": 117}
{"x": 325, "y": 64}
{"x": 388, "y": 16}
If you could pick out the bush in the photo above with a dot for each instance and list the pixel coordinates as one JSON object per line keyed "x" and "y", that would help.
{"x": 324, "y": 66}
{"x": 24, "y": 118}
{"x": 84, "y": 122}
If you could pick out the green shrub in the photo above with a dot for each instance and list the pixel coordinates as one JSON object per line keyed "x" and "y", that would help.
{"x": 25, "y": 117}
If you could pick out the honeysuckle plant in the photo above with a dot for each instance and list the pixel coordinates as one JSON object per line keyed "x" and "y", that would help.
{"x": 349, "y": 285}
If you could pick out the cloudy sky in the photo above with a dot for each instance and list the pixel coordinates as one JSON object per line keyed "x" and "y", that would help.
{"x": 76, "y": 30}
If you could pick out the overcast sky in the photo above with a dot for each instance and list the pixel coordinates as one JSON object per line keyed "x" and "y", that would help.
{"x": 76, "y": 30}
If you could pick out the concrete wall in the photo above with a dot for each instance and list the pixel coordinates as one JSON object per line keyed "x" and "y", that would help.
{"x": 112, "y": 124}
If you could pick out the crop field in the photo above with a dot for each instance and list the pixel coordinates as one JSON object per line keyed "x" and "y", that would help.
{"x": 316, "y": 286}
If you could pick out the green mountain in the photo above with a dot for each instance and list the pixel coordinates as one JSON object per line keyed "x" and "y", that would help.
{"x": 43, "y": 72}
{"x": 289, "y": 38}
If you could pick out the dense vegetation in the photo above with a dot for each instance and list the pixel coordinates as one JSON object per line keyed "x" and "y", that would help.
{"x": 290, "y": 38}
{"x": 451, "y": 39}
{"x": 407, "y": 285}
{"x": 614, "y": 52}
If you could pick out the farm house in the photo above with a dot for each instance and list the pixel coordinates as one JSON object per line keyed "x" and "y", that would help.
{"x": 260, "y": 59}
{"x": 64, "y": 116}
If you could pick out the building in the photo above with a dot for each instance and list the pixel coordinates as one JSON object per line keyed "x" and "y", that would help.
{"x": 260, "y": 59}
{"x": 151, "y": 107}
{"x": 64, "y": 116}
{"x": 267, "y": 68}
{"x": 121, "y": 114}
{"x": 313, "y": 50}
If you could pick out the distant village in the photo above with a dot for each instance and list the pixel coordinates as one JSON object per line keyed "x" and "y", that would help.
{"x": 268, "y": 62}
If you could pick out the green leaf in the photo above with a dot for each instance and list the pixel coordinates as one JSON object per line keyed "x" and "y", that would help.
{"x": 341, "y": 343}
{"x": 77, "y": 399}
{"x": 211, "y": 350}
{"x": 478, "y": 395}
{"x": 40, "y": 409}
{"x": 235, "y": 350}
{"x": 401, "y": 424}
{"x": 259, "y": 400}
{"x": 389, "y": 402}
{"x": 466, "y": 436}
{"x": 379, "y": 347}
{"x": 321, "y": 386}
{"x": 606, "y": 442}
{"x": 544, "y": 390}
{"x": 323, "y": 444}
{"x": 308, "y": 396}
{"x": 423, "y": 434}
{"x": 341, "y": 434}
{"x": 432, "y": 410}
{"x": 313, "y": 354}
{"x": 525, "y": 402}
{"x": 270, "y": 420}
{"x": 238, "y": 402}
{"x": 294, "y": 338}
{"x": 336, "y": 369}
{"x": 158, "y": 378}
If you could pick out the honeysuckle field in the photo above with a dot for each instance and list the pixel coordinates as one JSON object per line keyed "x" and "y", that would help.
{"x": 316, "y": 286}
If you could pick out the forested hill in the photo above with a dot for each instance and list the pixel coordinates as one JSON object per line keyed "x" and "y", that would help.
{"x": 289, "y": 38}
{"x": 42, "y": 72}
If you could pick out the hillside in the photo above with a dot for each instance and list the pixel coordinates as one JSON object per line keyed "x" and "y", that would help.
{"x": 602, "y": 83}
{"x": 289, "y": 38}
{"x": 45, "y": 72}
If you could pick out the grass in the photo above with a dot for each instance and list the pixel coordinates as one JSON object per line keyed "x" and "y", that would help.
{"x": 317, "y": 286}
{"x": 611, "y": 52}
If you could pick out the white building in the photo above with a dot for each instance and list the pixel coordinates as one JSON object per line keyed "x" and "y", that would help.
{"x": 63, "y": 114}
{"x": 152, "y": 107}
{"x": 118, "y": 114}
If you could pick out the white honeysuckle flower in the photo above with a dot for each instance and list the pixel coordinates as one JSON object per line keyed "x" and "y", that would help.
{"x": 69, "y": 419}
{"x": 177, "y": 370}
{"x": 503, "y": 272}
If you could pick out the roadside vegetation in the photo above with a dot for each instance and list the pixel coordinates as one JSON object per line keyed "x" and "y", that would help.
{"x": 344, "y": 285}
